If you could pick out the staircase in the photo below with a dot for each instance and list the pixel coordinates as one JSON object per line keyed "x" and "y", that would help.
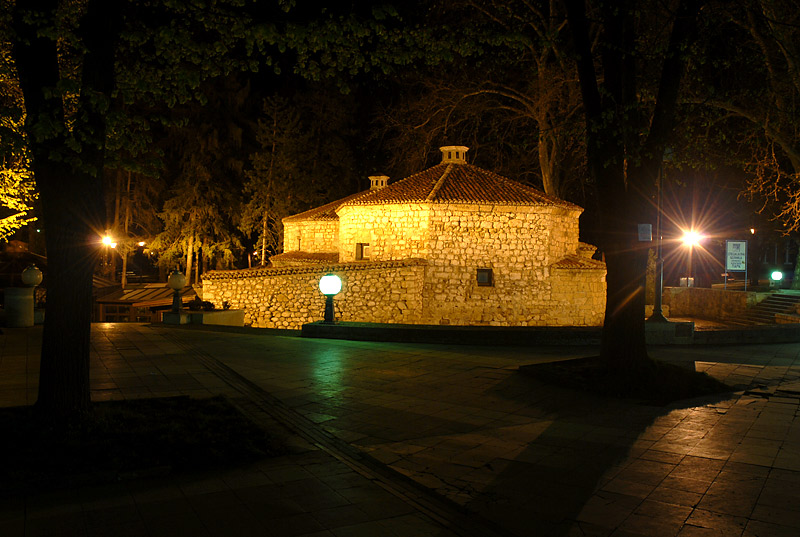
{"x": 782, "y": 301}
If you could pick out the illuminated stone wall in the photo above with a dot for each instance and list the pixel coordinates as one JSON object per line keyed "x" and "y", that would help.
{"x": 402, "y": 292}
{"x": 541, "y": 274}
{"x": 315, "y": 236}
{"x": 578, "y": 297}
{"x": 506, "y": 234}
{"x": 290, "y": 297}
{"x": 393, "y": 231}
{"x": 518, "y": 243}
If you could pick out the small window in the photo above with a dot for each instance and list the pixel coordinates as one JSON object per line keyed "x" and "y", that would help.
{"x": 362, "y": 250}
{"x": 485, "y": 277}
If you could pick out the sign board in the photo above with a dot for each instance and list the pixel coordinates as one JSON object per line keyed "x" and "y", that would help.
{"x": 736, "y": 256}
{"x": 645, "y": 232}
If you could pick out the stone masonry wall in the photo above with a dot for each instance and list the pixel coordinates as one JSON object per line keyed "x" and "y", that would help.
{"x": 579, "y": 297}
{"x": 712, "y": 304}
{"x": 394, "y": 231}
{"x": 518, "y": 244}
{"x": 290, "y": 297}
{"x": 317, "y": 236}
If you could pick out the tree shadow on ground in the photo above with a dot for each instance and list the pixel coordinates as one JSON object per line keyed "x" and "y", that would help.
{"x": 586, "y": 467}
{"x": 124, "y": 440}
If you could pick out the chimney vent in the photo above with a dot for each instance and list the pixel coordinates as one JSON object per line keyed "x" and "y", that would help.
{"x": 376, "y": 182}
{"x": 456, "y": 154}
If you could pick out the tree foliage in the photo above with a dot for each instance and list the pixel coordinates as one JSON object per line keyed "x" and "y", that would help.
{"x": 17, "y": 189}
{"x": 305, "y": 158}
{"x": 763, "y": 102}
{"x": 517, "y": 107}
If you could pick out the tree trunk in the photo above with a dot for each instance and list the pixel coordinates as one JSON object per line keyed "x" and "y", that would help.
{"x": 197, "y": 264}
{"x": 623, "y": 341}
{"x": 71, "y": 216}
{"x": 189, "y": 257}
{"x": 547, "y": 164}
{"x": 264, "y": 241}
{"x": 124, "y": 277}
{"x": 125, "y": 240}
{"x": 622, "y": 162}
{"x": 70, "y": 187}
{"x": 113, "y": 232}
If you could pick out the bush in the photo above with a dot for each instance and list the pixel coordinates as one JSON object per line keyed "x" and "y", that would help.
{"x": 198, "y": 304}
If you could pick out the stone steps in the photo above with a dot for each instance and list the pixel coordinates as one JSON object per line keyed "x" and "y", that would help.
{"x": 784, "y": 301}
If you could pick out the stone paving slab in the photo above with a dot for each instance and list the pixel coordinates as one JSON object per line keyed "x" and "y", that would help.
{"x": 306, "y": 493}
{"x": 544, "y": 457}
{"x": 459, "y": 420}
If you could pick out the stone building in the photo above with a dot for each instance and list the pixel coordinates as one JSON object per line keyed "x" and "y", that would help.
{"x": 453, "y": 244}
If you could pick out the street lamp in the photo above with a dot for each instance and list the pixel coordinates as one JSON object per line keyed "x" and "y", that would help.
{"x": 108, "y": 241}
{"x": 20, "y": 302}
{"x": 658, "y": 281}
{"x": 329, "y": 285}
{"x": 775, "y": 277}
{"x": 690, "y": 239}
{"x": 176, "y": 282}
{"x": 32, "y": 276}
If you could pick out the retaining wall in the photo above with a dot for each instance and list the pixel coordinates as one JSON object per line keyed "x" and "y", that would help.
{"x": 387, "y": 292}
{"x": 713, "y": 304}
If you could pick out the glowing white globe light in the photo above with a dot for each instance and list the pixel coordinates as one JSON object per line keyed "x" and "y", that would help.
{"x": 176, "y": 280}
{"x": 776, "y": 276}
{"x": 330, "y": 284}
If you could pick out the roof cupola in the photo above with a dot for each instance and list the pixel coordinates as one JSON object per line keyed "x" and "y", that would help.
{"x": 456, "y": 154}
{"x": 376, "y": 182}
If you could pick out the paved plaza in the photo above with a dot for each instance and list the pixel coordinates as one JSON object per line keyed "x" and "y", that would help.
{"x": 393, "y": 439}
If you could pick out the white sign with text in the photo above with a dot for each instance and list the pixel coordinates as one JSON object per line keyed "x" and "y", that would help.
{"x": 736, "y": 256}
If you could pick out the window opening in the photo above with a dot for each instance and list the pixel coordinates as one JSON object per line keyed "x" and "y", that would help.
{"x": 485, "y": 277}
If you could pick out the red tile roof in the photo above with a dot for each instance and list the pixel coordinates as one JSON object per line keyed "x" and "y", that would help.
{"x": 295, "y": 257}
{"x": 443, "y": 183}
{"x": 579, "y": 263}
{"x": 458, "y": 183}
{"x": 324, "y": 212}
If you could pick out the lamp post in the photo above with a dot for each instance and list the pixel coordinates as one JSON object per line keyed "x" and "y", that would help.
{"x": 176, "y": 282}
{"x": 658, "y": 284}
{"x": 329, "y": 285}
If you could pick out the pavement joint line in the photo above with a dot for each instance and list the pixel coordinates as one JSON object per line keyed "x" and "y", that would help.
{"x": 447, "y": 513}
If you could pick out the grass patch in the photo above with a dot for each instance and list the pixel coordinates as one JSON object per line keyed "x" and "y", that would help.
{"x": 127, "y": 439}
{"x": 650, "y": 381}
